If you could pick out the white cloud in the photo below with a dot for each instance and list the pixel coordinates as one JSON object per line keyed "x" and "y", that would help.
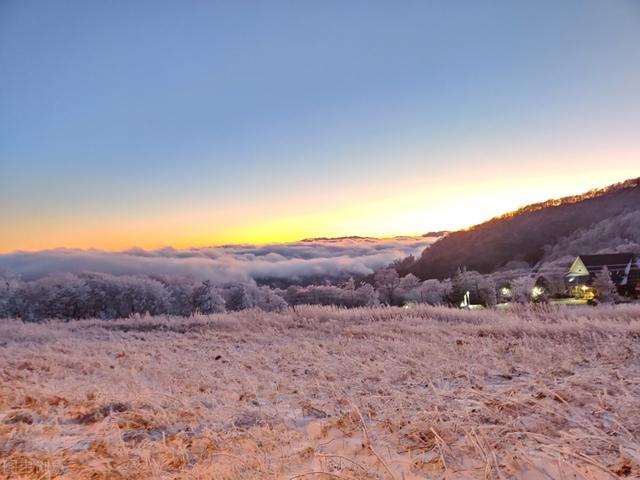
{"x": 293, "y": 261}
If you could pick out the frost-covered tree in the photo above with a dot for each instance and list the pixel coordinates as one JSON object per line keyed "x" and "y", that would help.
{"x": 179, "y": 292}
{"x": 206, "y": 299}
{"x": 110, "y": 296}
{"x": 466, "y": 281}
{"x": 240, "y": 297}
{"x": 269, "y": 301}
{"x": 408, "y": 288}
{"x": 606, "y": 290}
{"x": 487, "y": 292}
{"x": 146, "y": 295}
{"x": 521, "y": 289}
{"x": 387, "y": 283}
{"x": 56, "y": 296}
{"x": 366, "y": 296}
{"x": 9, "y": 286}
{"x": 348, "y": 295}
{"x": 327, "y": 294}
{"x": 64, "y": 296}
{"x": 433, "y": 291}
{"x": 459, "y": 286}
{"x": 292, "y": 295}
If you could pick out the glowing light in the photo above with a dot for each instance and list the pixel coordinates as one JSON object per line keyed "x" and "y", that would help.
{"x": 466, "y": 302}
{"x": 536, "y": 292}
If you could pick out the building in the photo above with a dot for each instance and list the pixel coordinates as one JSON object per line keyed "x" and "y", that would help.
{"x": 624, "y": 269}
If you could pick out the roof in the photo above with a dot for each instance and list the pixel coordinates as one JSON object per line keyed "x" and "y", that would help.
{"x": 611, "y": 260}
{"x": 623, "y": 267}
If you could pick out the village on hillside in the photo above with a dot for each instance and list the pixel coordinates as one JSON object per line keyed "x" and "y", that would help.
{"x": 590, "y": 279}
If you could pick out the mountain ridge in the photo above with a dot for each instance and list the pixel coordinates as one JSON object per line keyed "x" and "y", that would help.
{"x": 523, "y": 234}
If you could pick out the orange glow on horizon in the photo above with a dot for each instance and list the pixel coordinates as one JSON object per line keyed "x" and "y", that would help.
{"x": 405, "y": 209}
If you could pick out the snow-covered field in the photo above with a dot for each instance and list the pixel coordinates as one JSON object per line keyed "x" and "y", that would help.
{"x": 320, "y": 393}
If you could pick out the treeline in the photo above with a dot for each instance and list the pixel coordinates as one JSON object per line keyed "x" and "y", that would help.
{"x": 520, "y": 286}
{"x": 346, "y": 294}
{"x": 468, "y": 287}
{"x": 99, "y": 295}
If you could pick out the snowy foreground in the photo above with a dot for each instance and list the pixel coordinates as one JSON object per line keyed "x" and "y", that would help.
{"x": 320, "y": 393}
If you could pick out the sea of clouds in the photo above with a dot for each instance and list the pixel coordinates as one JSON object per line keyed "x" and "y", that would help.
{"x": 230, "y": 263}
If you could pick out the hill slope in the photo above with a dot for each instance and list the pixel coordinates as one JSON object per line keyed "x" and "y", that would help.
{"x": 523, "y": 234}
{"x": 619, "y": 234}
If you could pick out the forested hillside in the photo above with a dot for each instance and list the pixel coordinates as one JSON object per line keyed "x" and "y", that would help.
{"x": 613, "y": 235}
{"x": 522, "y": 235}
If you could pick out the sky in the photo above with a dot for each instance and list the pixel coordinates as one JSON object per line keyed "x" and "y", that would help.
{"x": 197, "y": 123}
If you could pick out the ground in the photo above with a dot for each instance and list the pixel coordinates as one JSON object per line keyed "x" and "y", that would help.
{"x": 321, "y": 393}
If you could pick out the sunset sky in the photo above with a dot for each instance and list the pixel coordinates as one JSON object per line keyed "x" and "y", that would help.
{"x": 192, "y": 123}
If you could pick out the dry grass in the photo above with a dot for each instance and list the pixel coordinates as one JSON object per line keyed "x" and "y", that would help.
{"x": 321, "y": 393}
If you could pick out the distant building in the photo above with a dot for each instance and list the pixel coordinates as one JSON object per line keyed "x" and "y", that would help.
{"x": 624, "y": 269}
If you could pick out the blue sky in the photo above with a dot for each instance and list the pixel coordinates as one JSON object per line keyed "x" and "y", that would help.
{"x": 231, "y": 120}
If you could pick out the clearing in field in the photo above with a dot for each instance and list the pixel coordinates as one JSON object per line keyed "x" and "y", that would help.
{"x": 321, "y": 393}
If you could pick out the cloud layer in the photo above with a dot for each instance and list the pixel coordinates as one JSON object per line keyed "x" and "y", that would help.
{"x": 231, "y": 263}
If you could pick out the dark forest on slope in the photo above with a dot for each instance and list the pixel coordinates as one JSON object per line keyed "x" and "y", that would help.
{"x": 523, "y": 234}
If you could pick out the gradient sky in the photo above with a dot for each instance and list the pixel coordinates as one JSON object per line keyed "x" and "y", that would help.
{"x": 192, "y": 123}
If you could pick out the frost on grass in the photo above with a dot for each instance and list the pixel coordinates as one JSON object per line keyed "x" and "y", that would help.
{"x": 322, "y": 393}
